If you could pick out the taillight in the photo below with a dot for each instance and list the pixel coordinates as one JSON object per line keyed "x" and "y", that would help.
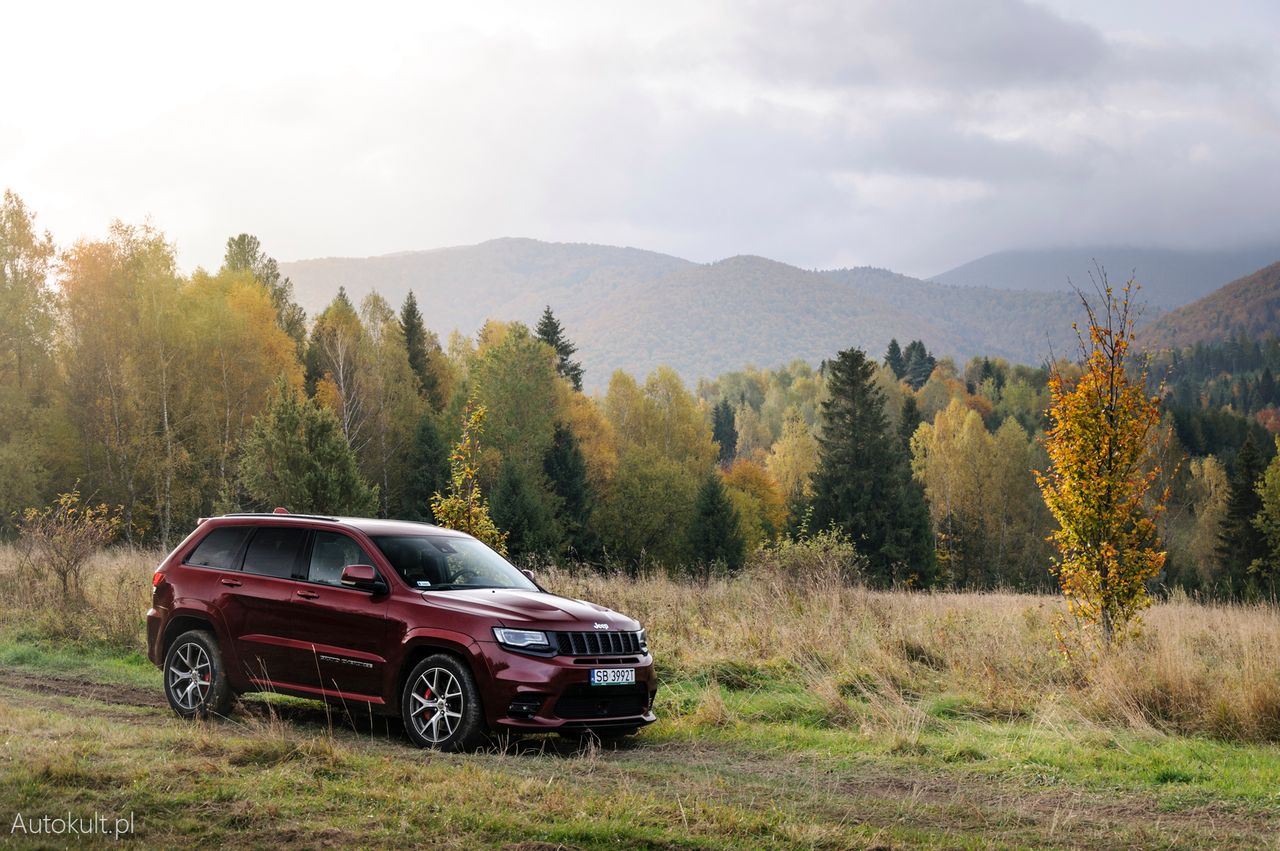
{"x": 157, "y": 578}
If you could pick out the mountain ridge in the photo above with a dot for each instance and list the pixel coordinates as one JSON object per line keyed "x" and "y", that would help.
{"x": 634, "y": 309}
{"x": 1249, "y": 305}
{"x": 1169, "y": 277}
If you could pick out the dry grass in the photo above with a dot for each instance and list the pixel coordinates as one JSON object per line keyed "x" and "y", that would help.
{"x": 887, "y": 659}
{"x": 1198, "y": 668}
{"x": 116, "y": 589}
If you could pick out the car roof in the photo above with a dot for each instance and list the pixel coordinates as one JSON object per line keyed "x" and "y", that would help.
{"x": 367, "y": 525}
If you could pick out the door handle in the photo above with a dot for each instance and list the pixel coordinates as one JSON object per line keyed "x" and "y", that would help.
{"x": 231, "y": 583}
{"x": 308, "y": 595}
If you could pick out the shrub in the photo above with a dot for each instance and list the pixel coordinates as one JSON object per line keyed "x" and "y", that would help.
{"x": 826, "y": 557}
{"x": 64, "y": 536}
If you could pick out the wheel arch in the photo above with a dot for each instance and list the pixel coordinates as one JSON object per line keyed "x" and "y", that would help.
{"x": 186, "y": 621}
{"x": 420, "y": 647}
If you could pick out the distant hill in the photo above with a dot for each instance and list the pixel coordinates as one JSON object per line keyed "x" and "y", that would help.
{"x": 500, "y": 279}
{"x": 1169, "y": 278}
{"x": 1250, "y": 305}
{"x": 635, "y": 310}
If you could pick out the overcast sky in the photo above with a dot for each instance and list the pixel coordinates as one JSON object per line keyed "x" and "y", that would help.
{"x": 911, "y": 135}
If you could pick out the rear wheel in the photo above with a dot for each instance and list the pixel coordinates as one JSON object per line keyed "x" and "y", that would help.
{"x": 441, "y": 705}
{"x": 195, "y": 681}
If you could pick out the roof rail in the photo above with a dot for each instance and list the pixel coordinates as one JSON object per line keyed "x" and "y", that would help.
{"x": 281, "y": 514}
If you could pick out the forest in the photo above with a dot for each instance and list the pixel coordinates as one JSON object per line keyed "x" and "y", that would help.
{"x": 169, "y": 397}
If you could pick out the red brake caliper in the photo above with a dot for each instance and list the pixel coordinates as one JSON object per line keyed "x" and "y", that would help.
{"x": 426, "y": 710}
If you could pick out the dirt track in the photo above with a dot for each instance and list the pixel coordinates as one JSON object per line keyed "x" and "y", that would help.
{"x": 958, "y": 803}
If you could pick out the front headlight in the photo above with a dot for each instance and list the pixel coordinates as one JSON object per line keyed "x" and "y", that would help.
{"x": 521, "y": 639}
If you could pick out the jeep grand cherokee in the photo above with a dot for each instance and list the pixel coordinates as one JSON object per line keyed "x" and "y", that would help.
{"x": 416, "y": 621}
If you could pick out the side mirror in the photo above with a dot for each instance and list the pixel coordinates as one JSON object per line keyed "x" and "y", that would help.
{"x": 362, "y": 577}
{"x": 528, "y": 574}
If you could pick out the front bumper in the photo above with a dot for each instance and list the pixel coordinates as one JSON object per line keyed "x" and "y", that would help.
{"x": 554, "y": 693}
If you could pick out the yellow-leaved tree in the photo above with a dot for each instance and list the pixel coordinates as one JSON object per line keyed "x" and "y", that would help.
{"x": 1099, "y": 484}
{"x": 465, "y": 508}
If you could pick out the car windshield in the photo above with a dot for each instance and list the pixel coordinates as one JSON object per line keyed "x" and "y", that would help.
{"x": 443, "y": 563}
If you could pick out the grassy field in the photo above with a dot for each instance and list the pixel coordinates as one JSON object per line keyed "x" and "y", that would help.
{"x": 791, "y": 715}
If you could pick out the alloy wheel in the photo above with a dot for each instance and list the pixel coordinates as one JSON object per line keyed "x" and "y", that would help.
{"x": 190, "y": 676}
{"x": 436, "y": 705}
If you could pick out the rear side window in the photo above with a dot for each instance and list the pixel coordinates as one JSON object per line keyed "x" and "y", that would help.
{"x": 220, "y": 548}
{"x": 275, "y": 551}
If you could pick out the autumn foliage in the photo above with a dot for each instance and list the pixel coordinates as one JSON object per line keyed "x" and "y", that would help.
{"x": 1099, "y": 484}
{"x": 465, "y": 507}
{"x": 62, "y": 538}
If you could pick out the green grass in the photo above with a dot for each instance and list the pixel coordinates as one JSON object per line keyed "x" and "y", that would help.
{"x": 1069, "y": 751}
{"x": 104, "y": 664}
{"x": 759, "y": 762}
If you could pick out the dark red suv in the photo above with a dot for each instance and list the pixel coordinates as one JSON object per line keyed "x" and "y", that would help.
{"x": 414, "y": 620}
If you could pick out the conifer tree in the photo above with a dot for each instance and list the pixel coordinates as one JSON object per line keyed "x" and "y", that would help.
{"x": 918, "y": 364}
{"x": 1266, "y": 394}
{"x": 893, "y": 359}
{"x": 295, "y": 456}
{"x": 911, "y": 419}
{"x": 724, "y": 431}
{"x": 566, "y": 471}
{"x": 520, "y": 512}
{"x": 428, "y": 471}
{"x": 715, "y": 533}
{"x": 1266, "y": 568}
{"x": 1240, "y": 542}
{"x": 863, "y": 483}
{"x": 550, "y": 332}
{"x": 417, "y": 340}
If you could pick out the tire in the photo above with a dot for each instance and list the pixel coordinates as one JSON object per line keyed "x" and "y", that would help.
{"x": 440, "y": 705}
{"x": 195, "y": 681}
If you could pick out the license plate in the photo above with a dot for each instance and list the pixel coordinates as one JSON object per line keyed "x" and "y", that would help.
{"x": 613, "y": 676}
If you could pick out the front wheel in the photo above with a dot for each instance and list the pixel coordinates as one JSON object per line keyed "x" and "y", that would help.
{"x": 194, "y": 680}
{"x": 441, "y": 705}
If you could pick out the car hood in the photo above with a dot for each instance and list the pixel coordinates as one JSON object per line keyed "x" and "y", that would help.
{"x": 529, "y": 609}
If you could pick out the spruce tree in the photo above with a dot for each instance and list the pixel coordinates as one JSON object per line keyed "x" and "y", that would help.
{"x": 893, "y": 359}
{"x": 550, "y": 332}
{"x": 415, "y": 342}
{"x": 295, "y": 456}
{"x": 566, "y": 471}
{"x": 715, "y": 533}
{"x": 724, "y": 431}
{"x": 863, "y": 484}
{"x": 1266, "y": 394}
{"x": 911, "y": 420}
{"x": 520, "y": 512}
{"x": 918, "y": 364}
{"x": 428, "y": 471}
{"x": 1240, "y": 542}
{"x": 1267, "y": 521}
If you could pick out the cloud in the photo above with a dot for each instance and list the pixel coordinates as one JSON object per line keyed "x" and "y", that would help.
{"x": 914, "y": 134}
{"x": 987, "y": 44}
